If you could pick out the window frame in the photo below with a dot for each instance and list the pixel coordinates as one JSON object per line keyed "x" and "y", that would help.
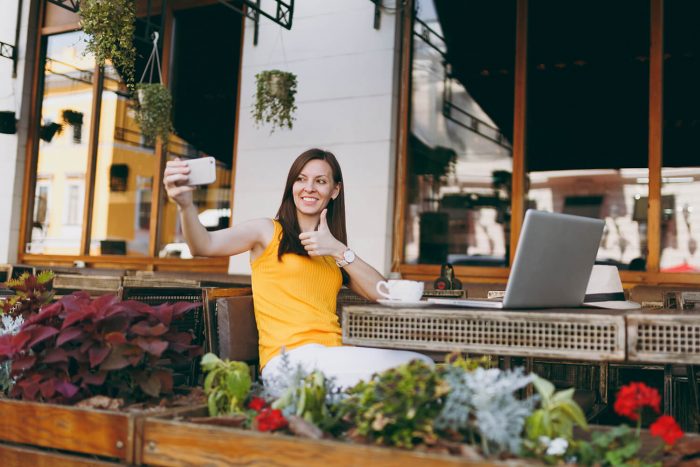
{"x": 477, "y": 274}
{"x": 63, "y": 22}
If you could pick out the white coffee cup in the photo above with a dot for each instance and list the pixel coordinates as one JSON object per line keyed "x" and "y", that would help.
{"x": 400, "y": 290}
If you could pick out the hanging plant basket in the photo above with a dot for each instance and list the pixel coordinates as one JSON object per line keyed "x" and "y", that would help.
{"x": 275, "y": 98}
{"x": 72, "y": 117}
{"x": 48, "y": 131}
{"x": 154, "y": 111}
{"x": 8, "y": 122}
{"x": 109, "y": 26}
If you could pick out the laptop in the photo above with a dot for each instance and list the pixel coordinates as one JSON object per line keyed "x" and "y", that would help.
{"x": 553, "y": 263}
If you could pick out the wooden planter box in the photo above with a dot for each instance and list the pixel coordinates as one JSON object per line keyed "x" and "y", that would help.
{"x": 171, "y": 442}
{"x": 80, "y": 430}
{"x": 20, "y": 456}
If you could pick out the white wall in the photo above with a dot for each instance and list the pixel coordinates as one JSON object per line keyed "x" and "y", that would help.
{"x": 345, "y": 72}
{"x": 11, "y": 95}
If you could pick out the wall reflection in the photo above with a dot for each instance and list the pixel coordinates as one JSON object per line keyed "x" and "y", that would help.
{"x": 66, "y": 111}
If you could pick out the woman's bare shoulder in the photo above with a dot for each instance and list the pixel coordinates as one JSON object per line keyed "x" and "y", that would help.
{"x": 264, "y": 228}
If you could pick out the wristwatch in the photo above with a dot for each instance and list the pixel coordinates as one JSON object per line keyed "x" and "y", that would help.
{"x": 348, "y": 257}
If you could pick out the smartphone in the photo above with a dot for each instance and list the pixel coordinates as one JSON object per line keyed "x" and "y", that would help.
{"x": 202, "y": 171}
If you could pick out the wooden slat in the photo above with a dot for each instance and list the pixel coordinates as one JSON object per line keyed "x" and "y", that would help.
{"x": 519, "y": 129}
{"x": 32, "y": 148}
{"x": 89, "y": 283}
{"x": 656, "y": 87}
{"x": 237, "y": 124}
{"x": 67, "y": 428}
{"x": 91, "y": 169}
{"x": 404, "y": 84}
{"x": 158, "y": 196}
{"x": 172, "y": 443}
{"x": 220, "y": 292}
{"x": 17, "y": 456}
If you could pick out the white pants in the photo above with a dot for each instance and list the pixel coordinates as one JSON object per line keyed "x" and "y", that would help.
{"x": 348, "y": 365}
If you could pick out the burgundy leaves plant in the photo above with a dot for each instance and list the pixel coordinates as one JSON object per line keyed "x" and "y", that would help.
{"x": 31, "y": 293}
{"x": 77, "y": 348}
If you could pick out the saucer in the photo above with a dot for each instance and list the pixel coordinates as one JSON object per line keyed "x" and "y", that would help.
{"x": 402, "y": 304}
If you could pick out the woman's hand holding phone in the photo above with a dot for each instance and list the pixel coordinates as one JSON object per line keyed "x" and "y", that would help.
{"x": 175, "y": 179}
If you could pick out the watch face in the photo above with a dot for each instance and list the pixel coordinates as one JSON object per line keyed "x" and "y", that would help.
{"x": 349, "y": 256}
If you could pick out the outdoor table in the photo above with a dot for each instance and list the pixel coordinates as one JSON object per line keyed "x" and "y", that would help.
{"x": 668, "y": 337}
{"x": 582, "y": 334}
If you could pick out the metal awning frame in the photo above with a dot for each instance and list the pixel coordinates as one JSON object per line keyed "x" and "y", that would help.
{"x": 70, "y": 5}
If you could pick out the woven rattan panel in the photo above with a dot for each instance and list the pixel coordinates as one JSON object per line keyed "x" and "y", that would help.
{"x": 556, "y": 334}
{"x": 192, "y": 321}
{"x": 664, "y": 338}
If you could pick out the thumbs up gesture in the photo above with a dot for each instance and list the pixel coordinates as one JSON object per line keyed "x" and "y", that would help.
{"x": 321, "y": 242}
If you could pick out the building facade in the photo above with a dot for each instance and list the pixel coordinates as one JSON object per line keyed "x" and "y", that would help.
{"x": 449, "y": 119}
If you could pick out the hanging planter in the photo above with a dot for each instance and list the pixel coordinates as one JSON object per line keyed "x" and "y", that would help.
{"x": 109, "y": 26}
{"x": 154, "y": 102}
{"x": 153, "y": 112}
{"x": 74, "y": 118}
{"x": 8, "y": 122}
{"x": 275, "y": 98}
{"x": 48, "y": 131}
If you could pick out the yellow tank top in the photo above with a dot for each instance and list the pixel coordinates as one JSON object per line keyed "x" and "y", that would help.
{"x": 294, "y": 300}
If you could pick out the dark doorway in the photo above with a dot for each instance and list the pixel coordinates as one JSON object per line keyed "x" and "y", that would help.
{"x": 206, "y": 58}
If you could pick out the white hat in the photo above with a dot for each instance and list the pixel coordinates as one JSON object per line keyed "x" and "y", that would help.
{"x": 605, "y": 290}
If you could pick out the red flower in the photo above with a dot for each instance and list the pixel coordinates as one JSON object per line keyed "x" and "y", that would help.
{"x": 257, "y": 404}
{"x": 666, "y": 428}
{"x": 270, "y": 420}
{"x": 633, "y": 397}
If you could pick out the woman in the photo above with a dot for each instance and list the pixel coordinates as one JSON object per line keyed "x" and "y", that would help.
{"x": 296, "y": 261}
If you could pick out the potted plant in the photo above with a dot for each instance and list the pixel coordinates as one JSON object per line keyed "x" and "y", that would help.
{"x": 8, "y": 122}
{"x": 49, "y": 130}
{"x": 153, "y": 113}
{"x": 275, "y": 98}
{"x": 74, "y": 118}
{"x": 109, "y": 26}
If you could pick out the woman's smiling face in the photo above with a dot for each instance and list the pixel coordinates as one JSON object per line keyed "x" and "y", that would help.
{"x": 314, "y": 188}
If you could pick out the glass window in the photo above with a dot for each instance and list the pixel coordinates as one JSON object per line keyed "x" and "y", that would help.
{"x": 204, "y": 91}
{"x": 680, "y": 176}
{"x": 588, "y": 118}
{"x": 62, "y": 161}
{"x": 125, "y": 169}
{"x": 461, "y": 130}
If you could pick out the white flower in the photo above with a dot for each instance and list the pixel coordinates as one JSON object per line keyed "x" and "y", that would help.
{"x": 557, "y": 447}
{"x": 544, "y": 440}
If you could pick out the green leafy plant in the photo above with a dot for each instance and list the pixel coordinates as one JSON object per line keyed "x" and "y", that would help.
{"x": 154, "y": 112}
{"x": 557, "y": 415}
{"x": 226, "y": 385}
{"x": 621, "y": 445}
{"x": 275, "y": 98}
{"x": 308, "y": 399}
{"x": 396, "y": 407}
{"x": 31, "y": 293}
{"x": 109, "y": 26}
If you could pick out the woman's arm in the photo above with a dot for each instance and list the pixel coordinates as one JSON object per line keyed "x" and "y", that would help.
{"x": 254, "y": 234}
{"x": 250, "y": 235}
{"x": 363, "y": 277}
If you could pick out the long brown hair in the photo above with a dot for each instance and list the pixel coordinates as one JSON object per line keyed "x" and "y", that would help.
{"x": 287, "y": 213}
